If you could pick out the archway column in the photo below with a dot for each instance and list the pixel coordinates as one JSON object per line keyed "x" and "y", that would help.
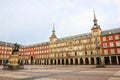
{"x": 56, "y": 61}
{"x": 95, "y": 61}
{"x": 84, "y": 61}
{"x": 73, "y": 61}
{"x": 53, "y": 61}
{"x": 49, "y": 61}
{"x": 110, "y": 60}
{"x": 2, "y": 62}
{"x": 64, "y": 61}
{"x": 102, "y": 60}
{"x": 68, "y": 61}
{"x": 78, "y": 60}
{"x": 117, "y": 60}
{"x": 89, "y": 60}
{"x": 60, "y": 61}
{"x": 46, "y": 62}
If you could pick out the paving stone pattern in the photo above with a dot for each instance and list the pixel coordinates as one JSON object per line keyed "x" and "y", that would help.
{"x": 62, "y": 72}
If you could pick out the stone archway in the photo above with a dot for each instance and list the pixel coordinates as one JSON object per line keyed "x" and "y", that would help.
{"x": 62, "y": 61}
{"x": 58, "y": 61}
{"x": 97, "y": 60}
{"x": 107, "y": 61}
{"x": 51, "y": 62}
{"x": 81, "y": 61}
{"x": 86, "y": 61}
{"x": 67, "y": 62}
{"x": 0, "y": 62}
{"x": 31, "y": 60}
{"x": 119, "y": 59}
{"x": 113, "y": 60}
{"x": 55, "y": 62}
{"x": 76, "y": 61}
{"x": 71, "y": 61}
{"x": 92, "y": 61}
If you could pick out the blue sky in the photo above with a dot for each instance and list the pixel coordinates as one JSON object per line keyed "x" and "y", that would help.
{"x": 30, "y": 21}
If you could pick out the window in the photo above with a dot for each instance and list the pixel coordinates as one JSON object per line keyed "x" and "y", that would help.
{"x": 111, "y": 44}
{"x": 117, "y": 36}
{"x": 105, "y": 51}
{"x": 118, "y": 50}
{"x": 104, "y": 45}
{"x": 117, "y": 43}
{"x": 110, "y": 37}
{"x": 104, "y": 38}
{"x": 112, "y": 51}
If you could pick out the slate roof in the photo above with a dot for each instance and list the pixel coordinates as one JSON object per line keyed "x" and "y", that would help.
{"x": 111, "y": 31}
{"x": 85, "y": 35}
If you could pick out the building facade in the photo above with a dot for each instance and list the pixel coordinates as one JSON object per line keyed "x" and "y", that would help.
{"x": 95, "y": 47}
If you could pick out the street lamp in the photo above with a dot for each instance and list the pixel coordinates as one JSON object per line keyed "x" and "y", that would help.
{"x": 100, "y": 64}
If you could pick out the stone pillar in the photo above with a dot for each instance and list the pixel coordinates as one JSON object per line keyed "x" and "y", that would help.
{"x": 56, "y": 61}
{"x": 29, "y": 61}
{"x": 117, "y": 60}
{"x": 49, "y": 62}
{"x": 110, "y": 59}
{"x": 64, "y": 61}
{"x": 84, "y": 61}
{"x": 89, "y": 60}
{"x": 68, "y": 61}
{"x": 46, "y": 62}
{"x": 95, "y": 61}
{"x": 102, "y": 60}
{"x": 78, "y": 61}
{"x": 53, "y": 62}
{"x": 60, "y": 61}
{"x": 38, "y": 61}
{"x": 73, "y": 61}
{"x": 2, "y": 62}
{"x": 41, "y": 61}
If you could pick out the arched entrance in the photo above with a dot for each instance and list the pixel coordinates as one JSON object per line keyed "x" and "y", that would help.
{"x": 119, "y": 59}
{"x": 107, "y": 61}
{"x": 58, "y": 61}
{"x": 98, "y": 60}
{"x": 31, "y": 60}
{"x": 55, "y": 62}
{"x": 76, "y": 61}
{"x": 81, "y": 61}
{"x": 0, "y": 62}
{"x": 62, "y": 61}
{"x": 92, "y": 60}
{"x": 66, "y": 61}
{"x": 51, "y": 61}
{"x": 44, "y": 61}
{"x": 71, "y": 61}
{"x": 86, "y": 61}
{"x": 113, "y": 60}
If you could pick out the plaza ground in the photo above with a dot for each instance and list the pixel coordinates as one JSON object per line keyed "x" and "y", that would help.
{"x": 62, "y": 72}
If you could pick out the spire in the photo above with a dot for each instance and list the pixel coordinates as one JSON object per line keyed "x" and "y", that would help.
{"x": 53, "y": 32}
{"x": 95, "y": 20}
{"x": 53, "y": 28}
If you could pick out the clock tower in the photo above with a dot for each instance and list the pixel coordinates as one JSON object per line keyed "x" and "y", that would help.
{"x": 95, "y": 37}
{"x": 53, "y": 37}
{"x": 96, "y": 30}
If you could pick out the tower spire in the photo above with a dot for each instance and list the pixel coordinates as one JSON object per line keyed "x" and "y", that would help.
{"x": 95, "y": 20}
{"x": 53, "y": 32}
{"x": 53, "y": 28}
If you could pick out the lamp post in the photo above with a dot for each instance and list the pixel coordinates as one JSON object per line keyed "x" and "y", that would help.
{"x": 100, "y": 64}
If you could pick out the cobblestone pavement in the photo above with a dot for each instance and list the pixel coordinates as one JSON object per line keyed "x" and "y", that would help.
{"x": 62, "y": 72}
